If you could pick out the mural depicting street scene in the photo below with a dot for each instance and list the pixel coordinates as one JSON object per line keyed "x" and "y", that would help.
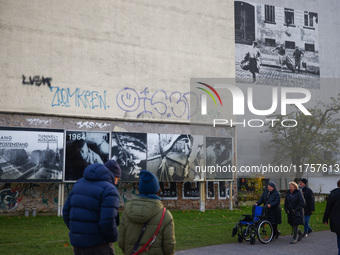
{"x": 32, "y": 156}
{"x": 276, "y": 45}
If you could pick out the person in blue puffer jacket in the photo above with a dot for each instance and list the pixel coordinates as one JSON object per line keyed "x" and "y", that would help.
{"x": 91, "y": 209}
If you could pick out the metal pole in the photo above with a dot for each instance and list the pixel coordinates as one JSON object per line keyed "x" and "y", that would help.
{"x": 202, "y": 196}
{"x": 60, "y": 199}
{"x": 231, "y": 195}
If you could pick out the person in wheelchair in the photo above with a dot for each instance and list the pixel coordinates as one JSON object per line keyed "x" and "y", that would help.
{"x": 271, "y": 200}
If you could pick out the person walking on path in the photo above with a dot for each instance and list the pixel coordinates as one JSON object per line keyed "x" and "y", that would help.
{"x": 271, "y": 200}
{"x": 309, "y": 207}
{"x": 332, "y": 212}
{"x": 294, "y": 204}
{"x": 91, "y": 210}
{"x": 281, "y": 50}
{"x": 297, "y": 54}
{"x": 141, "y": 219}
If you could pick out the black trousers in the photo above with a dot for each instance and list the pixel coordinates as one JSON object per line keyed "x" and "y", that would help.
{"x": 100, "y": 249}
{"x": 296, "y": 231}
{"x": 275, "y": 230}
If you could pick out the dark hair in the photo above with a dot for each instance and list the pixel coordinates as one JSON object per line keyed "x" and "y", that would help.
{"x": 338, "y": 183}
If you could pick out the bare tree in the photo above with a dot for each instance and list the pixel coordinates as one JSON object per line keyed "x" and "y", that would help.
{"x": 307, "y": 142}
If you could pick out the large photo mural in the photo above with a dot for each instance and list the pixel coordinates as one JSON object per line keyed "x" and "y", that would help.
{"x": 276, "y": 45}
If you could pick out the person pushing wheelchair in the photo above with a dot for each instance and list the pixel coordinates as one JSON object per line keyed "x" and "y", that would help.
{"x": 271, "y": 200}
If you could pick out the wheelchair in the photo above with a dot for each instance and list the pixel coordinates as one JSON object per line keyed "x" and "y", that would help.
{"x": 254, "y": 225}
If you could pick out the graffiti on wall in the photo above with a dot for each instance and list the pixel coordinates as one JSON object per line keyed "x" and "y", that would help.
{"x": 9, "y": 199}
{"x": 79, "y": 98}
{"x": 127, "y": 191}
{"x": 174, "y": 104}
{"x": 36, "y": 80}
{"x": 38, "y": 122}
{"x": 91, "y": 124}
{"x": 18, "y": 196}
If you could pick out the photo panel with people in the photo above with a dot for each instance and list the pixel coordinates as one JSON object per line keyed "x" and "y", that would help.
{"x": 172, "y": 157}
{"x": 83, "y": 149}
{"x": 276, "y": 45}
{"x": 129, "y": 150}
{"x": 219, "y": 158}
{"x": 31, "y": 155}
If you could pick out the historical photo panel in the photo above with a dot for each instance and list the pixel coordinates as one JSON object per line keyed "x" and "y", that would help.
{"x": 129, "y": 150}
{"x": 172, "y": 157}
{"x": 84, "y": 149}
{"x": 191, "y": 190}
{"x": 31, "y": 155}
{"x": 168, "y": 190}
{"x": 276, "y": 45}
{"x": 219, "y": 158}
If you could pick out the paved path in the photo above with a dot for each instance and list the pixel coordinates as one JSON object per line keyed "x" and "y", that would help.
{"x": 318, "y": 243}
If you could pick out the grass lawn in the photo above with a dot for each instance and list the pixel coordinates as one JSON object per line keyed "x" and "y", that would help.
{"x": 49, "y": 235}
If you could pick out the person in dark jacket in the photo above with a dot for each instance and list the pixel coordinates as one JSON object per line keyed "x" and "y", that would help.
{"x": 308, "y": 195}
{"x": 271, "y": 200}
{"x": 294, "y": 204}
{"x": 297, "y": 54}
{"x": 146, "y": 210}
{"x": 91, "y": 210}
{"x": 332, "y": 212}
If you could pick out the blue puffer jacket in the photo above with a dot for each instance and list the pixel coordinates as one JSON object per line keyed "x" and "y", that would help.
{"x": 91, "y": 210}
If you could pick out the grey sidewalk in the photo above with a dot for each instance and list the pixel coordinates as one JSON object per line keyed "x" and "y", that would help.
{"x": 318, "y": 243}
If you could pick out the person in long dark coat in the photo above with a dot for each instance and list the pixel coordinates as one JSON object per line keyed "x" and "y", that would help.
{"x": 332, "y": 212}
{"x": 271, "y": 200}
{"x": 308, "y": 195}
{"x": 254, "y": 60}
{"x": 294, "y": 207}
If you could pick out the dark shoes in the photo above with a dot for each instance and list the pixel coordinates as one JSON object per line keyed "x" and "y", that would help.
{"x": 294, "y": 241}
{"x": 310, "y": 231}
{"x": 277, "y": 234}
{"x": 305, "y": 235}
{"x": 300, "y": 236}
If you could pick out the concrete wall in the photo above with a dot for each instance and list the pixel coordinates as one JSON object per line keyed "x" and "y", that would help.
{"x": 110, "y": 59}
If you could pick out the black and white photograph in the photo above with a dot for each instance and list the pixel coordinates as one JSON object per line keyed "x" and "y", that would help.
{"x": 170, "y": 156}
{"x": 191, "y": 190}
{"x": 276, "y": 45}
{"x": 28, "y": 155}
{"x": 222, "y": 189}
{"x": 219, "y": 158}
{"x": 168, "y": 190}
{"x": 129, "y": 150}
{"x": 196, "y": 159}
{"x": 210, "y": 190}
{"x": 84, "y": 149}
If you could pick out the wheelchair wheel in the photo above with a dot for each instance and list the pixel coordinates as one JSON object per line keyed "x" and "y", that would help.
{"x": 248, "y": 232}
{"x": 240, "y": 239}
{"x": 265, "y": 231}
